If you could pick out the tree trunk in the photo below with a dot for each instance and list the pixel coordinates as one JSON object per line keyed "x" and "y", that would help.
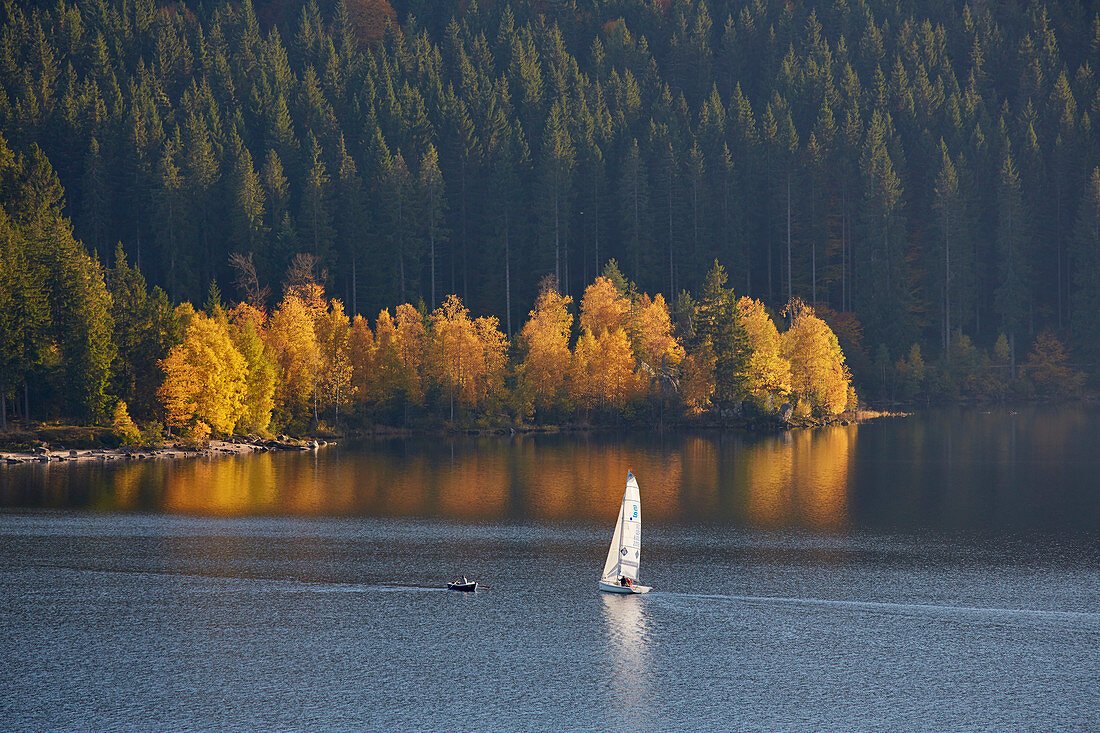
{"x": 947, "y": 286}
{"x": 507, "y": 276}
{"x": 789, "y": 290}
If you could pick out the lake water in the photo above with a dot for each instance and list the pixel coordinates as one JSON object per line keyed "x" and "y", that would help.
{"x": 938, "y": 572}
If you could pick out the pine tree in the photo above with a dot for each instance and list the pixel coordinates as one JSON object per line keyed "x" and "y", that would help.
{"x": 555, "y": 179}
{"x": 1011, "y": 295}
{"x": 718, "y": 323}
{"x": 432, "y": 207}
{"x": 1085, "y": 253}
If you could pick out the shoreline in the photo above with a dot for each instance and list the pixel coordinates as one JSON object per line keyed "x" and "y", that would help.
{"x": 46, "y": 453}
{"x": 167, "y": 451}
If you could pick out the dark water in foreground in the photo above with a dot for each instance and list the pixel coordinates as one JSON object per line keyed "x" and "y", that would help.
{"x": 934, "y": 573}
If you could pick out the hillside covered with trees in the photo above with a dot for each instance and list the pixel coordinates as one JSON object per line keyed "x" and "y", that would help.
{"x": 923, "y": 175}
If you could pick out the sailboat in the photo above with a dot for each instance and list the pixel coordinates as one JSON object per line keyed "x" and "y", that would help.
{"x": 620, "y": 572}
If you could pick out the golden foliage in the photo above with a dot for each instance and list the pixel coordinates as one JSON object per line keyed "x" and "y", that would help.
{"x": 398, "y": 352}
{"x": 601, "y": 372}
{"x": 603, "y": 308}
{"x": 334, "y": 377}
{"x": 411, "y": 340}
{"x": 546, "y": 338}
{"x": 466, "y": 357}
{"x": 361, "y": 352}
{"x": 818, "y": 372}
{"x": 123, "y": 426}
{"x": 293, "y": 340}
{"x": 205, "y": 377}
{"x": 651, "y": 334}
{"x": 769, "y": 371}
{"x": 1048, "y": 367}
{"x": 697, "y": 378}
{"x": 243, "y": 313}
{"x": 246, "y": 327}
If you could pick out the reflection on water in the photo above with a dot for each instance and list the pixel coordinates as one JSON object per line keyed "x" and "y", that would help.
{"x": 960, "y": 468}
{"x": 627, "y": 649}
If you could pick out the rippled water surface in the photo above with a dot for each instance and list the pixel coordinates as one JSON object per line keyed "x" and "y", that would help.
{"x": 933, "y": 573}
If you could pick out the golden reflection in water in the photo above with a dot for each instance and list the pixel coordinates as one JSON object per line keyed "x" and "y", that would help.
{"x": 800, "y": 478}
{"x": 126, "y": 483}
{"x": 221, "y": 486}
{"x": 481, "y": 476}
{"x": 586, "y": 482}
{"x": 628, "y": 640}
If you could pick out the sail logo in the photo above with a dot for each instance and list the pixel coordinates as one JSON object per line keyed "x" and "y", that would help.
{"x": 634, "y": 512}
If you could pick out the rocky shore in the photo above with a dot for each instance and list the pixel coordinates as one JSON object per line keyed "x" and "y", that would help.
{"x": 45, "y": 453}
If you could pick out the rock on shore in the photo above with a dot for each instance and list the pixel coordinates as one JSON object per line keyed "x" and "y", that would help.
{"x": 48, "y": 454}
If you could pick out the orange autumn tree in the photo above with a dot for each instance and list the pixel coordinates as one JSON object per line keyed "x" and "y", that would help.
{"x": 362, "y": 353}
{"x": 651, "y": 335}
{"x": 818, "y": 373}
{"x": 398, "y": 354}
{"x": 205, "y": 378}
{"x": 769, "y": 371}
{"x": 293, "y": 341}
{"x": 466, "y": 358}
{"x": 333, "y": 384}
{"x": 697, "y": 378}
{"x": 1048, "y": 367}
{"x": 601, "y": 371}
{"x": 545, "y": 337}
{"x": 603, "y": 307}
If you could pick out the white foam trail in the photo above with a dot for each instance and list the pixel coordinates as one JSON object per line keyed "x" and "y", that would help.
{"x": 888, "y": 606}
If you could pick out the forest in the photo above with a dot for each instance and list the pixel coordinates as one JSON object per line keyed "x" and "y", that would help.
{"x": 910, "y": 190}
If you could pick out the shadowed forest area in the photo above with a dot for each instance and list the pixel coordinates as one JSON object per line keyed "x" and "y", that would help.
{"x": 905, "y": 195}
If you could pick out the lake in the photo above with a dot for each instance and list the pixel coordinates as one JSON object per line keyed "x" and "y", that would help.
{"x": 935, "y": 572}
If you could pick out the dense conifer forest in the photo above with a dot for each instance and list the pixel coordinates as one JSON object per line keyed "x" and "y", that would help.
{"x": 922, "y": 177}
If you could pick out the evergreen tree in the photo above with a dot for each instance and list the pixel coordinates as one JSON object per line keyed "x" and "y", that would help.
{"x": 1011, "y": 294}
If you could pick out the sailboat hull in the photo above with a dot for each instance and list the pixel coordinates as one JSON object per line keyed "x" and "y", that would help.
{"x": 622, "y": 589}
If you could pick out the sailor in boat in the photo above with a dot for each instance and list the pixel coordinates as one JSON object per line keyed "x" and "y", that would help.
{"x": 625, "y": 582}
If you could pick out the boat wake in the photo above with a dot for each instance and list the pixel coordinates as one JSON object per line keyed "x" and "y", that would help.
{"x": 889, "y": 607}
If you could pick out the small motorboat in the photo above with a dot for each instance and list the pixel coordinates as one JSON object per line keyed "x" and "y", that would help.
{"x": 466, "y": 586}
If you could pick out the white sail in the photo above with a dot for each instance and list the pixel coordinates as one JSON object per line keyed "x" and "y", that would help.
{"x": 625, "y": 553}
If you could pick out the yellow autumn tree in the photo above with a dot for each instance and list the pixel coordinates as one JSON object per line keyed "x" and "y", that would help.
{"x": 1049, "y": 369}
{"x": 205, "y": 378}
{"x": 545, "y": 338}
{"x": 246, "y": 325}
{"x": 651, "y": 335}
{"x": 124, "y": 426}
{"x": 697, "y": 378}
{"x": 361, "y": 353}
{"x": 494, "y": 355}
{"x": 466, "y": 358}
{"x": 411, "y": 339}
{"x": 818, "y": 372}
{"x": 334, "y": 377}
{"x": 293, "y": 340}
{"x": 768, "y": 371}
{"x": 601, "y": 372}
{"x": 603, "y": 308}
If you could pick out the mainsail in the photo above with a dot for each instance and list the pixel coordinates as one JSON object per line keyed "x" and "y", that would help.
{"x": 626, "y": 545}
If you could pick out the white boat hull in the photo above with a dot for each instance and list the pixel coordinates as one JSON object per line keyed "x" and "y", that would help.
{"x": 623, "y": 589}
